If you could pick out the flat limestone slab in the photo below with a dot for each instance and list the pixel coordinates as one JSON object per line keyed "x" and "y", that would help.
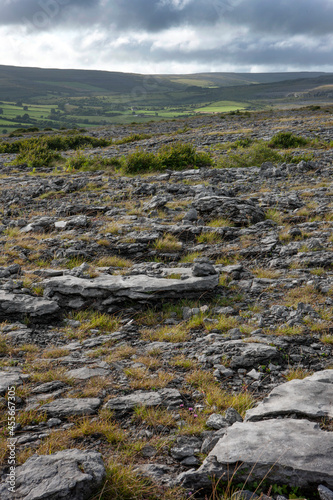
{"x": 311, "y": 397}
{"x": 165, "y": 397}
{"x": 10, "y": 379}
{"x": 292, "y": 452}
{"x": 86, "y": 373}
{"x": 66, "y": 407}
{"x": 73, "y": 474}
{"x": 132, "y": 287}
{"x": 11, "y": 303}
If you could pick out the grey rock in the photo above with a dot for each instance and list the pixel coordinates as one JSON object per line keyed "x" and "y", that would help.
{"x": 156, "y": 202}
{"x": 111, "y": 289}
{"x": 148, "y": 451}
{"x": 48, "y": 387}
{"x": 325, "y": 493}
{"x": 209, "y": 443}
{"x": 171, "y": 398}
{"x": 186, "y": 446}
{"x": 232, "y": 416}
{"x": 292, "y": 452}
{"x": 166, "y": 397}
{"x": 254, "y": 374}
{"x": 42, "y": 224}
{"x": 12, "y": 304}
{"x": 325, "y": 376}
{"x": 309, "y": 397}
{"x": 70, "y": 406}
{"x": 86, "y": 373}
{"x": 129, "y": 402}
{"x": 10, "y": 379}
{"x": 249, "y": 354}
{"x": 216, "y": 421}
{"x": 53, "y": 422}
{"x": 73, "y": 474}
{"x": 240, "y": 212}
{"x": 158, "y": 472}
{"x": 224, "y": 371}
{"x": 191, "y": 215}
{"x": 190, "y": 461}
{"x": 74, "y": 222}
{"x": 203, "y": 269}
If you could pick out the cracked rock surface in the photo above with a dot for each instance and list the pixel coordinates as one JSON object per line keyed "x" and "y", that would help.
{"x": 172, "y": 324}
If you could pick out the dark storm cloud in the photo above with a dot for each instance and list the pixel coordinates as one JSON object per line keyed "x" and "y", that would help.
{"x": 236, "y": 33}
{"x": 284, "y": 16}
{"x": 148, "y": 15}
{"x": 258, "y": 51}
{"x": 41, "y": 13}
{"x": 281, "y": 16}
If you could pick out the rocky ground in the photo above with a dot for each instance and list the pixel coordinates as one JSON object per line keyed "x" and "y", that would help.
{"x": 170, "y": 335}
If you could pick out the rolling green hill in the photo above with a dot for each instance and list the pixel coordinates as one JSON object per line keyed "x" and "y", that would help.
{"x": 81, "y": 98}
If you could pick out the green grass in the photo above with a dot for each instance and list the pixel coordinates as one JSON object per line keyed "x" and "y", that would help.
{"x": 221, "y": 107}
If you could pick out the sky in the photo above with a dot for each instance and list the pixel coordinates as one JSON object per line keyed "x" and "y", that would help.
{"x": 168, "y": 36}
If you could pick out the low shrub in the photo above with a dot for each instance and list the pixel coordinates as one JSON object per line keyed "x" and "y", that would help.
{"x": 286, "y": 140}
{"x": 180, "y": 156}
{"x": 253, "y": 156}
{"x": 35, "y": 153}
{"x": 177, "y": 156}
{"x": 133, "y": 138}
{"x": 54, "y": 143}
{"x": 256, "y": 154}
{"x": 141, "y": 161}
{"x": 81, "y": 163}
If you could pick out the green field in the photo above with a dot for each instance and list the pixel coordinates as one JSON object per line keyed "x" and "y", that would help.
{"x": 45, "y": 98}
{"x": 222, "y": 107}
{"x": 14, "y": 115}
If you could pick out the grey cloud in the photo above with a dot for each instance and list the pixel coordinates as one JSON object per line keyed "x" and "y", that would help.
{"x": 283, "y": 33}
{"x": 284, "y": 16}
{"x": 148, "y": 15}
{"x": 40, "y": 13}
{"x": 254, "y": 51}
{"x": 281, "y": 16}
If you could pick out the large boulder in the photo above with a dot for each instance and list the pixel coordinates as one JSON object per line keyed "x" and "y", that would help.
{"x": 73, "y": 474}
{"x": 14, "y": 305}
{"x": 65, "y": 407}
{"x": 107, "y": 290}
{"x": 246, "y": 355}
{"x": 11, "y": 378}
{"x": 311, "y": 397}
{"x": 240, "y": 212}
{"x": 287, "y": 451}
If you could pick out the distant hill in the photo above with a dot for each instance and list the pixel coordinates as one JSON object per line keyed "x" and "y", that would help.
{"x": 20, "y": 83}
{"x": 57, "y": 98}
{"x": 28, "y": 83}
{"x": 233, "y": 79}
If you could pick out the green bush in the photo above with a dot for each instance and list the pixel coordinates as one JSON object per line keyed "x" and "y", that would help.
{"x": 63, "y": 143}
{"x": 176, "y": 156}
{"x": 242, "y": 143}
{"x": 80, "y": 162}
{"x": 287, "y": 140}
{"x": 35, "y": 153}
{"x": 133, "y": 138}
{"x": 256, "y": 154}
{"x": 54, "y": 143}
{"x": 253, "y": 156}
{"x": 141, "y": 161}
{"x": 180, "y": 156}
